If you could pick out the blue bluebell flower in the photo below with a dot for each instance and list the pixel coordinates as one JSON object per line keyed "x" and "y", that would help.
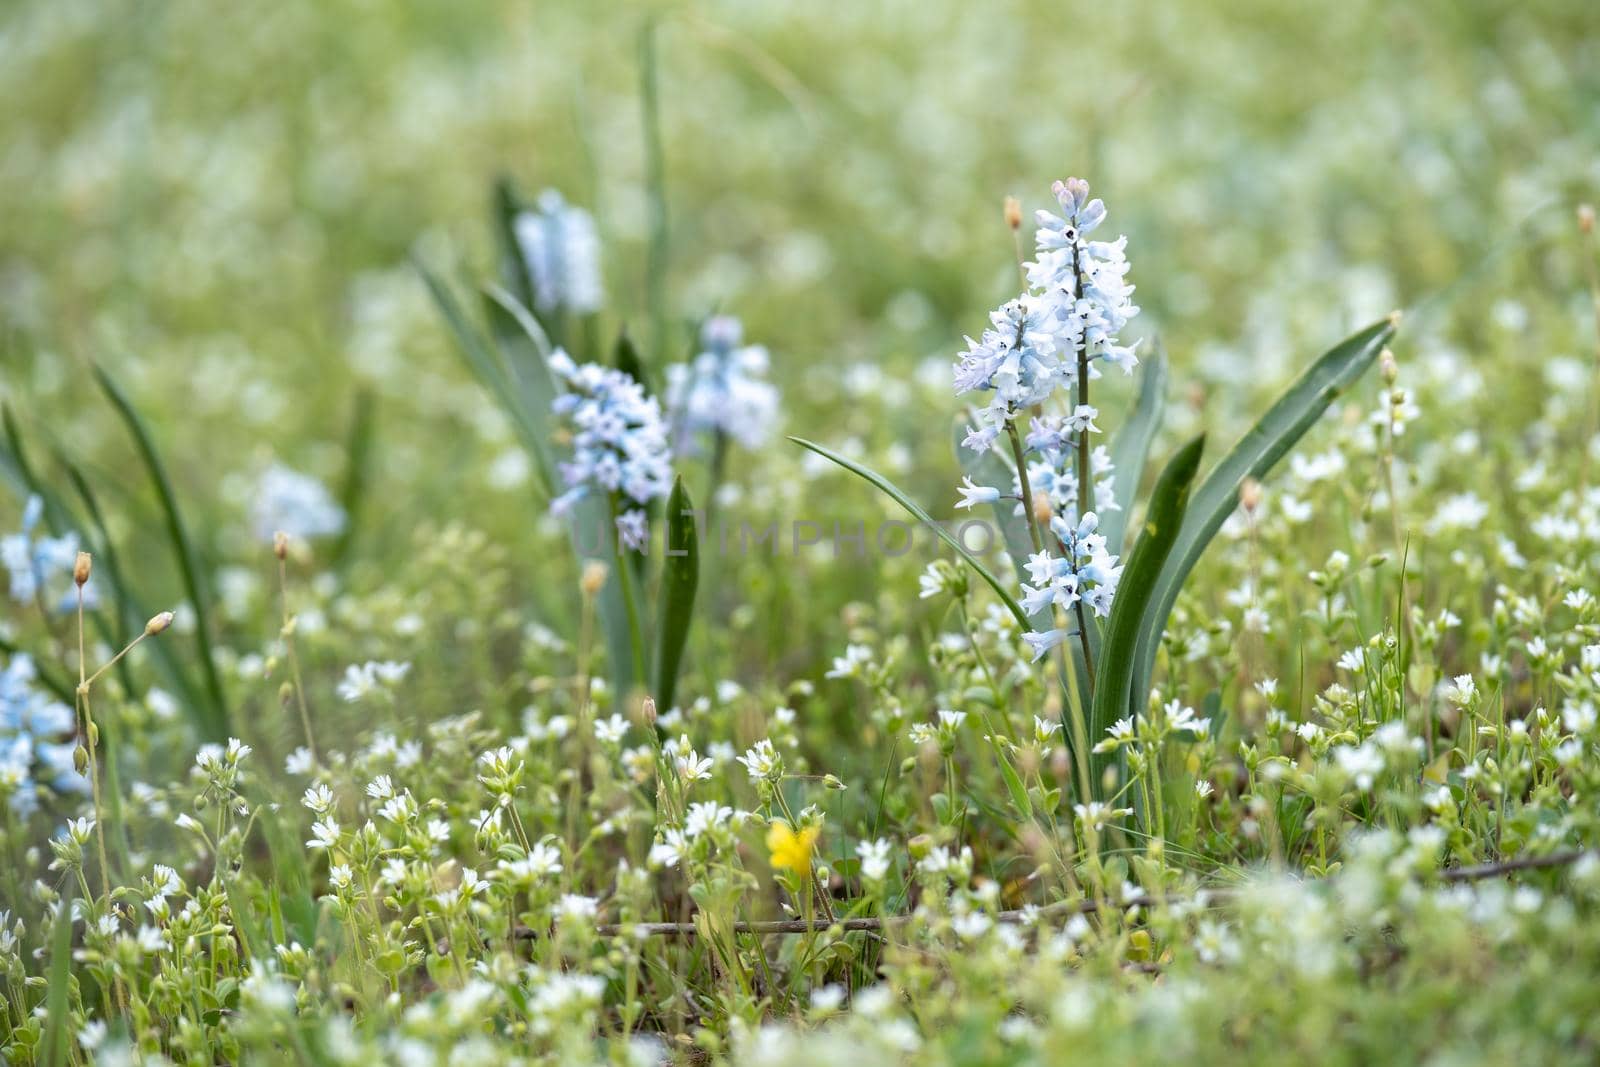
{"x": 1077, "y": 303}
{"x": 1067, "y": 321}
{"x": 619, "y": 443}
{"x": 723, "y": 388}
{"x": 36, "y": 740}
{"x": 293, "y": 503}
{"x": 40, "y": 567}
{"x": 1081, "y": 572}
{"x": 976, "y": 494}
{"x": 562, "y": 250}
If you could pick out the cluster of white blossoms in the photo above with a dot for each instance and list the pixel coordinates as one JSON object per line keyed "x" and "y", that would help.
{"x": 722, "y": 390}
{"x": 619, "y": 444}
{"x": 362, "y": 680}
{"x": 562, "y": 250}
{"x": 1051, "y": 339}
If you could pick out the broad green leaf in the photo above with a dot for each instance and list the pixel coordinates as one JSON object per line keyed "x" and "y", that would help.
{"x": 680, "y": 576}
{"x": 518, "y": 376}
{"x": 513, "y": 265}
{"x": 1130, "y": 448}
{"x": 1141, "y": 573}
{"x": 216, "y": 724}
{"x": 625, "y": 356}
{"x": 58, "y": 1031}
{"x": 1266, "y": 442}
{"x": 893, "y": 492}
{"x": 484, "y": 361}
{"x": 526, "y": 350}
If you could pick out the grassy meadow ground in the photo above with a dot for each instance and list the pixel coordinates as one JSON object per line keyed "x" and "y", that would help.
{"x": 418, "y": 782}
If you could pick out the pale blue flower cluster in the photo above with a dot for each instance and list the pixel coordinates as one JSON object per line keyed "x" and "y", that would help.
{"x": 619, "y": 443}
{"x": 1084, "y": 572}
{"x": 297, "y": 504}
{"x": 724, "y": 388}
{"x": 35, "y": 740}
{"x": 1051, "y": 458}
{"x": 39, "y": 567}
{"x": 1077, "y": 303}
{"x": 1038, "y": 347}
{"x": 562, "y": 250}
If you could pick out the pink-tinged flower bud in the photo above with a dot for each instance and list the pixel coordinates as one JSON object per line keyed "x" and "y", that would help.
{"x": 158, "y": 623}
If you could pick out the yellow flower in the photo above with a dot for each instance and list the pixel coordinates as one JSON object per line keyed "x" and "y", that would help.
{"x": 790, "y": 850}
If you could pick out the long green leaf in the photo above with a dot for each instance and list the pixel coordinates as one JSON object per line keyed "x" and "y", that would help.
{"x": 625, "y": 355}
{"x": 1163, "y": 522}
{"x": 524, "y": 389}
{"x": 526, "y": 349}
{"x": 57, "y": 1034}
{"x": 680, "y": 576}
{"x": 1130, "y": 448}
{"x": 1266, "y": 442}
{"x": 513, "y": 265}
{"x": 216, "y": 723}
{"x": 482, "y": 359}
{"x": 889, "y": 489}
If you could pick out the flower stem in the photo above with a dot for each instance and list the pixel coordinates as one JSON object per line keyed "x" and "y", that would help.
{"x": 1022, "y": 480}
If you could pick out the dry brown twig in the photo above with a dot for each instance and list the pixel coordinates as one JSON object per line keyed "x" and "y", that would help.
{"x": 872, "y": 923}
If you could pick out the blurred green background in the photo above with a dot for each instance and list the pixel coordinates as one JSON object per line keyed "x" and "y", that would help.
{"x": 218, "y": 201}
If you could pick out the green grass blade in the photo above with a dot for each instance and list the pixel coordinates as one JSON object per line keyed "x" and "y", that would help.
{"x": 216, "y": 720}
{"x": 1130, "y": 448}
{"x": 481, "y": 359}
{"x": 657, "y": 250}
{"x": 357, "y": 473}
{"x": 129, "y": 612}
{"x": 57, "y": 1034}
{"x": 890, "y": 490}
{"x": 680, "y": 576}
{"x": 1141, "y": 574}
{"x": 25, "y": 481}
{"x": 1266, "y": 442}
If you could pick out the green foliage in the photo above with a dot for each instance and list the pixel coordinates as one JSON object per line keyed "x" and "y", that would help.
{"x": 680, "y": 577}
